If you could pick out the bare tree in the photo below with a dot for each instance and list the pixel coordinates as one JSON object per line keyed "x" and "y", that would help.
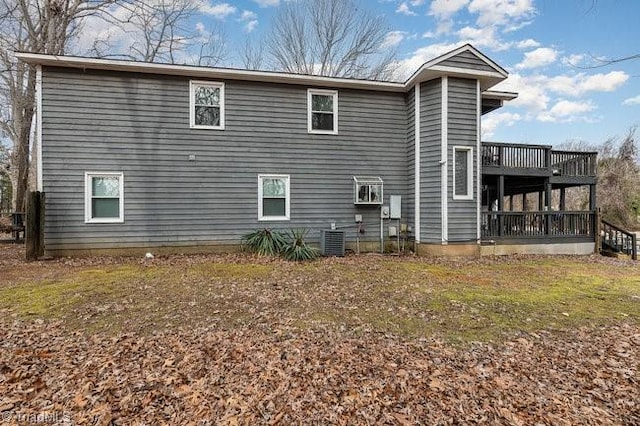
{"x": 338, "y": 38}
{"x": 251, "y": 55}
{"x": 161, "y": 31}
{"x": 618, "y": 187}
{"x": 40, "y": 26}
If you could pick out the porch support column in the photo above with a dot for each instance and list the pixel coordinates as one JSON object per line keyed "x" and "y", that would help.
{"x": 547, "y": 206}
{"x": 500, "y": 204}
{"x": 592, "y": 198}
{"x": 524, "y": 202}
{"x": 540, "y": 201}
{"x": 563, "y": 205}
{"x": 511, "y": 202}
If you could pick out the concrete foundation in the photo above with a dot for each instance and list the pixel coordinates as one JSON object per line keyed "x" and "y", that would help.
{"x": 448, "y": 250}
{"x": 555, "y": 248}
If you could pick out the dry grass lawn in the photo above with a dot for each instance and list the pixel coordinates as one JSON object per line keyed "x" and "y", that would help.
{"x": 238, "y": 339}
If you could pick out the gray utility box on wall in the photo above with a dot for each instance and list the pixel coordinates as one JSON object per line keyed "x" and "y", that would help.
{"x": 332, "y": 242}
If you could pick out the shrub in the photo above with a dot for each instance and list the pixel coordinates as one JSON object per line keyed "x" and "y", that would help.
{"x": 296, "y": 247}
{"x": 265, "y": 242}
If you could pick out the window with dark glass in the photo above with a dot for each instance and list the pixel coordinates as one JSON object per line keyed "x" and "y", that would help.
{"x": 207, "y": 105}
{"x": 462, "y": 172}
{"x": 323, "y": 114}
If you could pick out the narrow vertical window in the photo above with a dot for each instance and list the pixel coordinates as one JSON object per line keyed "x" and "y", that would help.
{"x": 322, "y": 106}
{"x": 462, "y": 173}
{"x": 104, "y": 197}
{"x": 273, "y": 197}
{"x": 207, "y": 105}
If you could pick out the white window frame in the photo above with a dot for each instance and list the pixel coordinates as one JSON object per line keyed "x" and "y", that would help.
{"x": 368, "y": 181}
{"x": 287, "y": 203}
{"x": 469, "y": 195}
{"x": 193, "y": 84}
{"x": 322, "y": 92}
{"x": 88, "y": 196}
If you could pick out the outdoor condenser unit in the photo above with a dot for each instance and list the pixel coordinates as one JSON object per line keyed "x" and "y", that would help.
{"x": 332, "y": 242}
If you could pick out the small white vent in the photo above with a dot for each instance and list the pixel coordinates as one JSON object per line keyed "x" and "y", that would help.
{"x": 332, "y": 242}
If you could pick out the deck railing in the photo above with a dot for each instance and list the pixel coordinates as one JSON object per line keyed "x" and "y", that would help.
{"x": 514, "y": 155}
{"x": 565, "y": 163}
{"x": 571, "y": 163}
{"x": 618, "y": 240}
{"x": 516, "y": 225}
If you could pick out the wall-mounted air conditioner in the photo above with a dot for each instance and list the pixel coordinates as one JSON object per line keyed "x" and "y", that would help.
{"x": 367, "y": 190}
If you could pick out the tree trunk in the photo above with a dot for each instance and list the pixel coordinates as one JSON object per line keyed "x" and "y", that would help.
{"x": 21, "y": 159}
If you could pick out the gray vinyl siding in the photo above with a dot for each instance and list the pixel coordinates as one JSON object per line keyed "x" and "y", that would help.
{"x": 139, "y": 124}
{"x": 411, "y": 144}
{"x": 467, "y": 60}
{"x": 430, "y": 174}
{"x": 462, "y": 131}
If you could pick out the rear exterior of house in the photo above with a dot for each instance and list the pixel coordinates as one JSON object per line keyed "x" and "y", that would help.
{"x": 136, "y": 157}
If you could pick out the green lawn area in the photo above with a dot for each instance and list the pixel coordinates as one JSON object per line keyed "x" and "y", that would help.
{"x": 458, "y": 300}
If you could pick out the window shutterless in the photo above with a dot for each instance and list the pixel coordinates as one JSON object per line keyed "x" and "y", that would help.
{"x": 104, "y": 197}
{"x": 206, "y": 105}
{"x": 322, "y": 110}
{"x": 273, "y": 197}
{"x": 462, "y": 173}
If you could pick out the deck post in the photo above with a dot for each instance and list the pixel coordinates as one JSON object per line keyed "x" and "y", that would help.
{"x": 34, "y": 230}
{"x": 547, "y": 207}
{"x": 500, "y": 204}
{"x": 563, "y": 199}
{"x": 540, "y": 201}
{"x": 524, "y": 202}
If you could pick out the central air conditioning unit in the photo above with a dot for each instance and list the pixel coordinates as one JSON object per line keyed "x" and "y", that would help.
{"x": 332, "y": 242}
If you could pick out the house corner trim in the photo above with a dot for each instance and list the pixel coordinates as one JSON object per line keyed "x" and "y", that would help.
{"x": 38, "y": 146}
{"x": 443, "y": 160}
{"x": 416, "y": 163}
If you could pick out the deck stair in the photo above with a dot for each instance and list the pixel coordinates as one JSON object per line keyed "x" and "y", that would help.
{"x": 615, "y": 240}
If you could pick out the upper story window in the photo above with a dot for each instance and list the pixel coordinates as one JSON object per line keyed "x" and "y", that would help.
{"x": 104, "y": 197}
{"x": 273, "y": 197}
{"x": 462, "y": 173}
{"x": 322, "y": 108}
{"x": 207, "y": 105}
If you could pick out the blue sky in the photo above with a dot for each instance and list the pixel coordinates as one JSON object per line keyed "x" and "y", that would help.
{"x": 547, "y": 46}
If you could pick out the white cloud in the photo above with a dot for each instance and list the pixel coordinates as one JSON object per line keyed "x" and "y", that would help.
{"x": 538, "y": 58}
{"x": 572, "y": 60}
{"x": 527, "y": 44}
{"x": 444, "y": 9}
{"x": 248, "y": 15}
{"x": 566, "y": 111}
{"x": 502, "y": 12}
{"x": 408, "y": 66}
{"x": 532, "y": 93}
{"x": 632, "y": 101}
{"x": 578, "y": 84}
{"x": 249, "y": 19}
{"x": 219, "y": 11}
{"x": 417, "y": 2}
{"x": 393, "y": 38}
{"x": 495, "y": 119}
{"x": 404, "y": 9}
{"x": 267, "y": 3}
{"x": 482, "y": 37}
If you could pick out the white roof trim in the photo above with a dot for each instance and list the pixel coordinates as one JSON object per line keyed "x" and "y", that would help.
{"x": 429, "y": 70}
{"x": 495, "y": 94}
{"x": 205, "y": 72}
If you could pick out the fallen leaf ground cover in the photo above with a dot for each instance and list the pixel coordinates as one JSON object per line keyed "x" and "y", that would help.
{"x": 238, "y": 339}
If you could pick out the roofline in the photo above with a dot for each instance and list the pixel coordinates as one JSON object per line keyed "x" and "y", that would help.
{"x": 496, "y": 94}
{"x": 427, "y": 71}
{"x": 466, "y": 47}
{"x": 197, "y": 71}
